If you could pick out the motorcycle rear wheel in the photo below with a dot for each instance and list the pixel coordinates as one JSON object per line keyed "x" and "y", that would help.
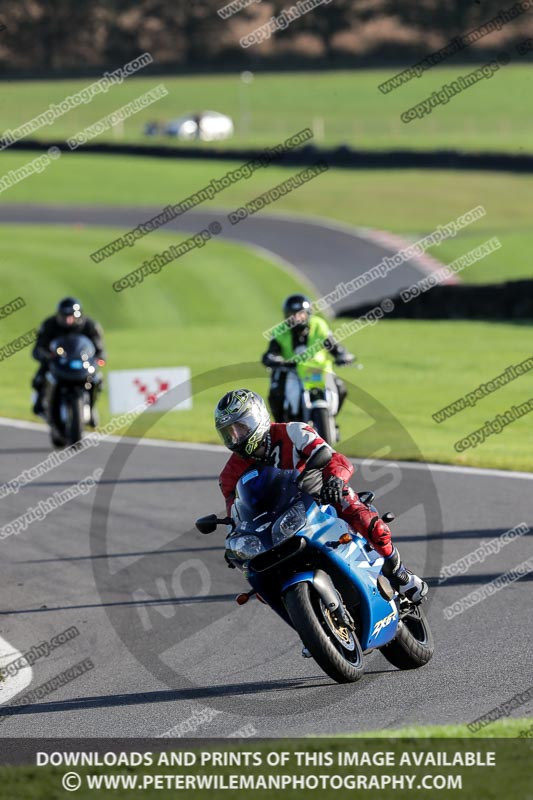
{"x": 413, "y": 644}
{"x": 343, "y": 663}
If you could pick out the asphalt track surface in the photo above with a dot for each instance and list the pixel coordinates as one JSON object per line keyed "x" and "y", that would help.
{"x": 325, "y": 253}
{"x": 154, "y": 601}
{"x": 168, "y": 641}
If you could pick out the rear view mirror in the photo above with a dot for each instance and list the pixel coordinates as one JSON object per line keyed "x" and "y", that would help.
{"x": 207, "y": 524}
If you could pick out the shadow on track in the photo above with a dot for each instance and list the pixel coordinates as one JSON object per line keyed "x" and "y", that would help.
{"x": 485, "y": 533}
{"x": 14, "y": 450}
{"x": 473, "y": 580}
{"x": 178, "y": 601}
{"x": 174, "y": 695}
{"x": 124, "y": 555}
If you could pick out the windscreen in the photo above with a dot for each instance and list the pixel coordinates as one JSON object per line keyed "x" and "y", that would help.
{"x": 73, "y": 346}
{"x": 265, "y": 491}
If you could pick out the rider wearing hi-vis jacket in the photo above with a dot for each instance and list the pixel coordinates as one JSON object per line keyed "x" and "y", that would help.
{"x": 301, "y": 332}
{"x": 243, "y": 423}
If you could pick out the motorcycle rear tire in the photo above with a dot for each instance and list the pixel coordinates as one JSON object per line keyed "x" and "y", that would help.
{"x": 302, "y": 604}
{"x": 413, "y": 644}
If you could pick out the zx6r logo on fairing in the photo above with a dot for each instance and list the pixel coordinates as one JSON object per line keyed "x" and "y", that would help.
{"x": 382, "y": 623}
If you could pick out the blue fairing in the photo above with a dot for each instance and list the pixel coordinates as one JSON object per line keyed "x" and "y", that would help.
{"x": 262, "y": 496}
{"x": 362, "y": 566}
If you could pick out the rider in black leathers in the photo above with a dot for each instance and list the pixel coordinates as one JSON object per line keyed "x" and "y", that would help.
{"x": 69, "y": 318}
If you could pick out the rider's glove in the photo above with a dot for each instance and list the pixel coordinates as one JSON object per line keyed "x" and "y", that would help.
{"x": 332, "y": 490}
{"x": 344, "y": 359}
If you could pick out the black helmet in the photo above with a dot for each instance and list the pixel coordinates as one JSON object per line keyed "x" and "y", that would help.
{"x": 294, "y": 304}
{"x": 69, "y": 313}
{"x": 242, "y": 421}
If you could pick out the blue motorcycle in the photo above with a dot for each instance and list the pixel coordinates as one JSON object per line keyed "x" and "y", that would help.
{"x": 320, "y": 576}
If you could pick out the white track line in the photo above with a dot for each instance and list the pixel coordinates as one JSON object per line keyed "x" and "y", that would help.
{"x": 12, "y": 684}
{"x": 215, "y": 448}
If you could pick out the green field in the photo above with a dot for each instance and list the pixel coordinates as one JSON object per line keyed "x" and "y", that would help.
{"x": 208, "y": 311}
{"x": 346, "y": 106}
{"x": 500, "y": 729}
{"x": 411, "y": 203}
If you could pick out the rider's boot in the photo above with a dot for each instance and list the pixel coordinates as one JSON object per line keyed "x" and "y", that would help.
{"x": 366, "y": 521}
{"x": 405, "y": 582}
{"x": 37, "y": 403}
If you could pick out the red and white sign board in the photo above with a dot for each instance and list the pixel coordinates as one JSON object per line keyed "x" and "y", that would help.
{"x": 162, "y": 389}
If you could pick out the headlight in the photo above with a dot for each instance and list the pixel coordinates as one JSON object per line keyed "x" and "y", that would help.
{"x": 290, "y": 523}
{"x": 245, "y": 547}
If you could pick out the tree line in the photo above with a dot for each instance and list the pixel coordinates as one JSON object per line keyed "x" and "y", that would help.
{"x": 63, "y": 34}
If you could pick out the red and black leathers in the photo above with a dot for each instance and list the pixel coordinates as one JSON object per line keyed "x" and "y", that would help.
{"x": 289, "y": 445}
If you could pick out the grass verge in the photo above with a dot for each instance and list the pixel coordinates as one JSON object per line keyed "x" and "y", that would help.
{"x": 411, "y": 203}
{"x": 343, "y": 107}
{"x": 208, "y": 310}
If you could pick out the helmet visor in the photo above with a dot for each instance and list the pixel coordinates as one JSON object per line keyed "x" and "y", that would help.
{"x": 69, "y": 316}
{"x": 237, "y": 432}
{"x": 299, "y": 318}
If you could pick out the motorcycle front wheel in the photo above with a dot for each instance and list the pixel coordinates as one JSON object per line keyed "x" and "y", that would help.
{"x": 324, "y": 424}
{"x": 74, "y": 426}
{"x": 335, "y": 648}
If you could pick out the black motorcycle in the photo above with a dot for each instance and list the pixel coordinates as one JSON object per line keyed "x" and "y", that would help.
{"x": 72, "y": 381}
